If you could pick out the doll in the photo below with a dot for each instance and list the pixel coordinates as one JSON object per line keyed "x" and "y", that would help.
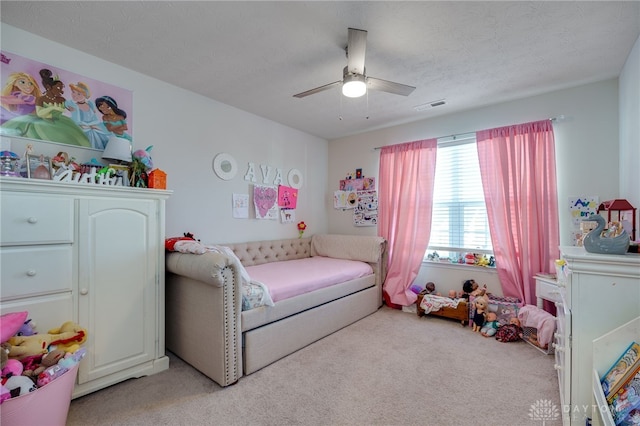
{"x": 471, "y": 288}
{"x": 491, "y": 326}
{"x": 430, "y": 288}
{"x": 510, "y": 332}
{"x": 479, "y": 317}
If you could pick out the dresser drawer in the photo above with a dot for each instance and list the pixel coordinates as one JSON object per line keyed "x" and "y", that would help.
{"x": 35, "y": 270}
{"x": 46, "y": 312}
{"x": 28, "y": 219}
{"x": 548, "y": 291}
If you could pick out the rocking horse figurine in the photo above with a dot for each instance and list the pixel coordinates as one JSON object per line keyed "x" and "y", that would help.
{"x": 594, "y": 242}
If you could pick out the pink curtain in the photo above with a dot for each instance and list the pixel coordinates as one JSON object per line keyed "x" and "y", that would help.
{"x": 518, "y": 169}
{"x": 406, "y": 177}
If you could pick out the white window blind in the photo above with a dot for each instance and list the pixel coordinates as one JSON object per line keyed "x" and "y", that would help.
{"x": 459, "y": 221}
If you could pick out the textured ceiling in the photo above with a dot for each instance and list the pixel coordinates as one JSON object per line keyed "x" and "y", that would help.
{"x": 256, "y": 55}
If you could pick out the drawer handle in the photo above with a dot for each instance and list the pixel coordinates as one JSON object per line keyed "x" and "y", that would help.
{"x": 32, "y": 220}
{"x": 31, "y": 273}
{"x": 557, "y": 367}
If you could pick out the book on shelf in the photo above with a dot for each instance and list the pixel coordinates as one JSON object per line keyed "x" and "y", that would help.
{"x": 625, "y": 403}
{"x": 620, "y": 370}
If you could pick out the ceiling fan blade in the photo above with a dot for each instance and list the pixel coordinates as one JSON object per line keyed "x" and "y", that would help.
{"x": 389, "y": 86}
{"x": 356, "y": 48}
{"x": 318, "y": 89}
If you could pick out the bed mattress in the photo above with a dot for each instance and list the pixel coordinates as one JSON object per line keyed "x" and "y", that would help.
{"x": 292, "y": 278}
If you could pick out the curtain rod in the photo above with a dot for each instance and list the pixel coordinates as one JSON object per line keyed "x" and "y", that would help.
{"x": 468, "y": 134}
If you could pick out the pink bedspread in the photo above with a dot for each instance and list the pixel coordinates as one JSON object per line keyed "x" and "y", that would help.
{"x": 291, "y": 278}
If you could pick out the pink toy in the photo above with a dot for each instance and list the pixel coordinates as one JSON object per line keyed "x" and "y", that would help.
{"x": 10, "y": 323}
{"x": 12, "y": 368}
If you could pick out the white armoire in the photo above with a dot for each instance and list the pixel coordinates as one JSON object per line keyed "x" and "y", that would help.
{"x": 92, "y": 254}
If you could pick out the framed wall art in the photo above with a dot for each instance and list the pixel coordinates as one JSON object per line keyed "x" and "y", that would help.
{"x": 38, "y": 167}
{"x": 47, "y": 103}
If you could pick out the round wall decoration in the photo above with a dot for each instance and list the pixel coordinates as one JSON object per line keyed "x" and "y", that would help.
{"x": 295, "y": 178}
{"x": 225, "y": 166}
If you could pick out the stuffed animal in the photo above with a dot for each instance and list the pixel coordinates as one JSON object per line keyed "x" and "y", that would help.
{"x": 49, "y": 359}
{"x": 491, "y": 326}
{"x": 19, "y": 385}
{"x": 27, "y": 329}
{"x": 68, "y": 338}
{"x": 479, "y": 317}
{"x": 69, "y": 344}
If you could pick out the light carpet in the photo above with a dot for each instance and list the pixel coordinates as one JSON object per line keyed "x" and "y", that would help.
{"x": 390, "y": 368}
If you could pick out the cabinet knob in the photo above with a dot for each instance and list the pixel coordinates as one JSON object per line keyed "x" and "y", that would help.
{"x": 557, "y": 367}
{"x": 84, "y": 291}
{"x": 32, "y": 220}
{"x": 31, "y": 273}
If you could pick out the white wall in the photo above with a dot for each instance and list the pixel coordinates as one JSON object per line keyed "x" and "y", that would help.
{"x": 587, "y": 152}
{"x": 587, "y": 156}
{"x": 630, "y": 131}
{"x": 187, "y": 131}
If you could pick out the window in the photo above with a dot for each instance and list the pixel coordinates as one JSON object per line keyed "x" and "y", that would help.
{"x": 459, "y": 222}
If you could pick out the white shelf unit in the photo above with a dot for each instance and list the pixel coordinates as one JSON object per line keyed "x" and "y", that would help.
{"x": 602, "y": 293}
{"x": 606, "y": 350}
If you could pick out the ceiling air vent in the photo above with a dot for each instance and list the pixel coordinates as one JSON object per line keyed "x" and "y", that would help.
{"x": 429, "y": 105}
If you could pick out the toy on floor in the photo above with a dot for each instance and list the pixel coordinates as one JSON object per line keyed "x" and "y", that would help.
{"x": 471, "y": 288}
{"x": 491, "y": 326}
{"x": 511, "y": 332}
{"x": 480, "y": 316}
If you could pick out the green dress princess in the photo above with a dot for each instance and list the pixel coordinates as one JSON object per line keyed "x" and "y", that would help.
{"x": 48, "y": 124}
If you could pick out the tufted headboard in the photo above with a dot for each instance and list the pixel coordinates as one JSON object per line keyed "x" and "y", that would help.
{"x": 259, "y": 252}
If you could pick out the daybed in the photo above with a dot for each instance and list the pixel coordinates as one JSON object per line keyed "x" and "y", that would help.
{"x": 205, "y": 324}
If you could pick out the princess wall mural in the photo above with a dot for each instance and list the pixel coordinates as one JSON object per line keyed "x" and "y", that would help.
{"x": 47, "y": 103}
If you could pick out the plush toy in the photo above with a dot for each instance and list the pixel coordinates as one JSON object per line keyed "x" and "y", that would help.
{"x": 19, "y": 385}
{"x": 10, "y": 323}
{"x": 76, "y": 337}
{"x": 511, "y": 332}
{"x": 479, "y": 317}
{"x": 68, "y": 338}
{"x": 469, "y": 259}
{"x": 491, "y": 326}
{"x": 49, "y": 359}
{"x": 27, "y": 329}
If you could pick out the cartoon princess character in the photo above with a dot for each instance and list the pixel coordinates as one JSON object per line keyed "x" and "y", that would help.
{"x": 18, "y": 96}
{"x": 83, "y": 113}
{"x": 48, "y": 123}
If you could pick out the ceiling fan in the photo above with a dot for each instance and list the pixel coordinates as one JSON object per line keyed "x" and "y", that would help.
{"x": 354, "y": 79}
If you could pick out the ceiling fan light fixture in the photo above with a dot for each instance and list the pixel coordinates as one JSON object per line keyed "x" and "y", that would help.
{"x": 354, "y": 86}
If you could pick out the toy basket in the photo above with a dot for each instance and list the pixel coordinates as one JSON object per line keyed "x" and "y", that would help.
{"x": 48, "y": 405}
{"x": 530, "y": 335}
